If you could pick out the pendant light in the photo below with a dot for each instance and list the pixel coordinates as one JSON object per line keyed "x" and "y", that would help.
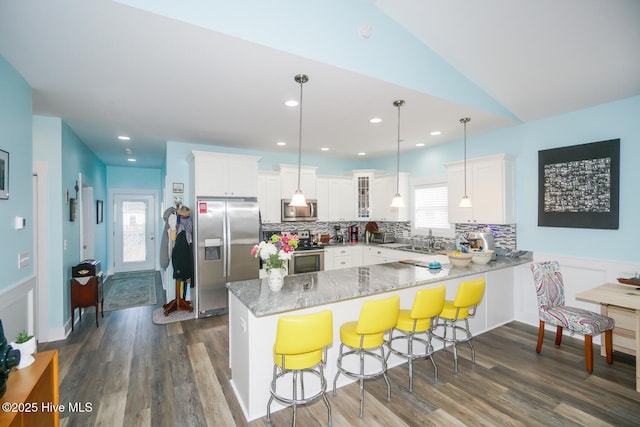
{"x": 397, "y": 201}
{"x": 298, "y": 198}
{"x": 465, "y": 202}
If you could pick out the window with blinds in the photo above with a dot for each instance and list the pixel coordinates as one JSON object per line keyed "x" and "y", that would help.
{"x": 430, "y": 203}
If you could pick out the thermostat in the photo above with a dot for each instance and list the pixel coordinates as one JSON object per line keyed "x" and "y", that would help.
{"x": 20, "y": 223}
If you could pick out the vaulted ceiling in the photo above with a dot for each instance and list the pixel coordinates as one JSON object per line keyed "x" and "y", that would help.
{"x": 164, "y": 71}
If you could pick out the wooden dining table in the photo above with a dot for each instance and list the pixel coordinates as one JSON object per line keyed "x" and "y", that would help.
{"x": 622, "y": 302}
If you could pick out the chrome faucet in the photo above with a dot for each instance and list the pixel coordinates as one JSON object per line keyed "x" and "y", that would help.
{"x": 431, "y": 241}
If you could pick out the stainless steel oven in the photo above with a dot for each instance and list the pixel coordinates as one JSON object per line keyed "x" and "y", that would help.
{"x": 306, "y": 261}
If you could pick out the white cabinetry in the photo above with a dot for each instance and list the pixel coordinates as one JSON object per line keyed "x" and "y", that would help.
{"x": 223, "y": 175}
{"x": 289, "y": 183}
{"x": 341, "y": 201}
{"x": 336, "y": 257}
{"x": 269, "y": 196}
{"x": 490, "y": 186}
{"x": 324, "y": 198}
{"x": 384, "y": 188}
{"x": 335, "y": 199}
{"x": 363, "y": 187}
{"x": 379, "y": 255}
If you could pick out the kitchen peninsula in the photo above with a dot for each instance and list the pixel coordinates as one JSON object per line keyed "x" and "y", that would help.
{"x": 254, "y": 311}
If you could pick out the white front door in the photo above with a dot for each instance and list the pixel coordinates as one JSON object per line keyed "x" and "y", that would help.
{"x": 134, "y": 232}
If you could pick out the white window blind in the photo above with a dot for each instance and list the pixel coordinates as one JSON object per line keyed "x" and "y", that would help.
{"x": 431, "y": 207}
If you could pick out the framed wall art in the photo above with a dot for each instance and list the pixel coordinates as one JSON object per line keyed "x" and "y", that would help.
{"x": 178, "y": 187}
{"x": 579, "y": 186}
{"x": 4, "y": 174}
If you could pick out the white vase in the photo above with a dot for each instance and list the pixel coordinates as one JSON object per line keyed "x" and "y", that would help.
{"x": 26, "y": 350}
{"x": 276, "y": 279}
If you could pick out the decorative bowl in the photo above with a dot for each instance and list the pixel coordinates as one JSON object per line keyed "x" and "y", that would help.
{"x": 481, "y": 257}
{"x": 460, "y": 259}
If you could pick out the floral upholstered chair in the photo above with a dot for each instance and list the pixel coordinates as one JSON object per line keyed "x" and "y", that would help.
{"x": 551, "y": 309}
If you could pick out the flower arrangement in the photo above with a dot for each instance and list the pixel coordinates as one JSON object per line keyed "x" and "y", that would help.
{"x": 276, "y": 251}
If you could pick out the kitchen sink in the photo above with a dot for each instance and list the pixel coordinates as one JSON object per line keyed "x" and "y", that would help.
{"x": 396, "y": 245}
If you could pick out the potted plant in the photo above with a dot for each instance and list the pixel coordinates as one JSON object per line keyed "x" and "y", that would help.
{"x": 26, "y": 344}
{"x": 275, "y": 254}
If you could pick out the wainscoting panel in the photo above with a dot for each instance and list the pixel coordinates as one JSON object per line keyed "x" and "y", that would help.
{"x": 579, "y": 274}
{"x": 17, "y": 309}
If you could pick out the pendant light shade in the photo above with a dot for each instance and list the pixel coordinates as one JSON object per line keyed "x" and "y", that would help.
{"x": 397, "y": 201}
{"x": 466, "y": 201}
{"x": 298, "y": 198}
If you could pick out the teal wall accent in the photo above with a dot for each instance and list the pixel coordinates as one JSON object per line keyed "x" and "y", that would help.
{"x": 15, "y": 138}
{"x": 79, "y": 159}
{"x": 51, "y": 138}
{"x": 47, "y": 147}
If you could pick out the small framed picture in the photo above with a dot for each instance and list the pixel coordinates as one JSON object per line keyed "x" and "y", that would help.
{"x": 99, "y": 211}
{"x": 178, "y": 187}
{"x": 4, "y": 174}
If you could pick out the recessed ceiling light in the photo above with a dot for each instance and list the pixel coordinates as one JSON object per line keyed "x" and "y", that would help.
{"x": 435, "y": 133}
{"x": 281, "y": 143}
{"x": 375, "y": 120}
{"x": 362, "y": 154}
{"x": 123, "y": 138}
{"x": 128, "y": 151}
{"x": 291, "y": 103}
{"x": 420, "y": 144}
{"x": 324, "y": 149}
{"x": 131, "y": 160}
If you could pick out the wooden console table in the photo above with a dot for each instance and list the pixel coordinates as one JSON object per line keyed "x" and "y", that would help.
{"x": 622, "y": 302}
{"x": 86, "y": 292}
{"x": 33, "y": 393}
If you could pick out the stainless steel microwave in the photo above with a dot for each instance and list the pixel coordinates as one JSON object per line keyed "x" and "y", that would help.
{"x": 299, "y": 213}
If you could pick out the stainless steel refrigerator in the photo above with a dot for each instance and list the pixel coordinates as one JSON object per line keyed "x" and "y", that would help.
{"x": 225, "y": 231}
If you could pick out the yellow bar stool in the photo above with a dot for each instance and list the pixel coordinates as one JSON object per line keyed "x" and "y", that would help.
{"x": 468, "y": 297}
{"x": 415, "y": 327}
{"x": 363, "y": 337}
{"x": 301, "y": 346}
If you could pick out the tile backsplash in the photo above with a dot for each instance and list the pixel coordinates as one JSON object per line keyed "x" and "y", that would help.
{"x": 504, "y": 234}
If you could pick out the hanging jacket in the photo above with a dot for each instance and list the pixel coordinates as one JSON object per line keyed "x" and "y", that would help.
{"x": 182, "y": 258}
{"x": 166, "y": 243}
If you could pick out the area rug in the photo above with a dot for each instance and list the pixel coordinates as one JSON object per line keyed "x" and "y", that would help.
{"x": 131, "y": 290}
{"x": 177, "y": 316}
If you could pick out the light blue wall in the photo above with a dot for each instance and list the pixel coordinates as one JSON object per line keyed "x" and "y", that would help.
{"x": 603, "y": 122}
{"x": 77, "y": 159}
{"x": 15, "y": 138}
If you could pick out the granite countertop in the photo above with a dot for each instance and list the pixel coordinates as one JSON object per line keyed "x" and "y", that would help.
{"x": 325, "y": 287}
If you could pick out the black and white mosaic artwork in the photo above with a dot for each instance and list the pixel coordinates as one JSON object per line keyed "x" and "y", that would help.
{"x": 578, "y": 186}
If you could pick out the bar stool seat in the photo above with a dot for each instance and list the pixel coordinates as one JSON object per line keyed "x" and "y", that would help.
{"x": 301, "y": 346}
{"x": 362, "y": 337}
{"x": 415, "y": 326}
{"x": 468, "y": 297}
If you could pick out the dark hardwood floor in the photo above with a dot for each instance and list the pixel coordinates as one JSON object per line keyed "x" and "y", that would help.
{"x": 136, "y": 373}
